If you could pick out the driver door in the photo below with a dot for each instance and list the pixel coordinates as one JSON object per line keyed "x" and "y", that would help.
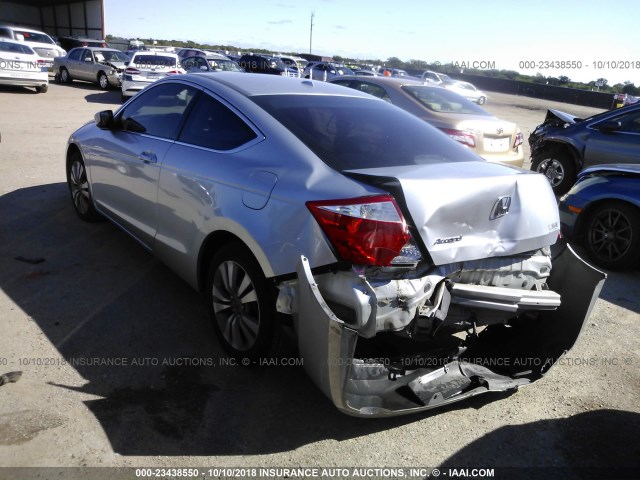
{"x": 125, "y": 167}
{"x": 618, "y": 145}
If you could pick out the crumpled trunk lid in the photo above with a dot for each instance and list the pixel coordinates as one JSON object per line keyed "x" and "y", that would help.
{"x": 473, "y": 210}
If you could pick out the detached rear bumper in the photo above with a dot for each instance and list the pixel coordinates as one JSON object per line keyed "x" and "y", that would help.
{"x": 502, "y": 358}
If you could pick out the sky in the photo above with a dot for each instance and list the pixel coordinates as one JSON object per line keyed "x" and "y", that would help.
{"x": 594, "y": 39}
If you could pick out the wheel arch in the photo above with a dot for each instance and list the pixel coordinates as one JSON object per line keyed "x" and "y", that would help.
{"x": 221, "y": 238}
{"x": 582, "y": 219}
{"x": 562, "y": 146}
{"x": 71, "y": 149}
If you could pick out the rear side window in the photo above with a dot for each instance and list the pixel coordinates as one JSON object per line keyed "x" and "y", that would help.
{"x": 352, "y": 133}
{"x": 213, "y": 125}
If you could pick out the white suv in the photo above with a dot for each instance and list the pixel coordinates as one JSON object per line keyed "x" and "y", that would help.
{"x": 42, "y": 43}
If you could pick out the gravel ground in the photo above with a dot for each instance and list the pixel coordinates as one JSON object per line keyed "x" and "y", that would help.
{"x": 98, "y": 294}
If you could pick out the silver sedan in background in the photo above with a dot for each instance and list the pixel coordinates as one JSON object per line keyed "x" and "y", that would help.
{"x": 413, "y": 273}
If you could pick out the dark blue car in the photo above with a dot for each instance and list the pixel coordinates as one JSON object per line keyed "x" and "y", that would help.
{"x": 601, "y": 212}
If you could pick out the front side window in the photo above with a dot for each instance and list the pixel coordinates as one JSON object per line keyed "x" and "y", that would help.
{"x": 75, "y": 54}
{"x": 213, "y": 125}
{"x": 630, "y": 122}
{"x": 158, "y": 111}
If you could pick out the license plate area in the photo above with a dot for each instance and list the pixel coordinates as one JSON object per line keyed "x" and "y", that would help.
{"x": 497, "y": 144}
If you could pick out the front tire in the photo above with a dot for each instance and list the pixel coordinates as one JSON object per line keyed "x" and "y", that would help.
{"x": 482, "y": 100}
{"x": 612, "y": 236}
{"x": 558, "y": 167}
{"x": 79, "y": 189}
{"x": 242, "y": 305}
{"x": 103, "y": 81}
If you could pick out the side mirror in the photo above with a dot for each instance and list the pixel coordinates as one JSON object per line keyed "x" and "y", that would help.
{"x": 203, "y": 67}
{"x": 609, "y": 126}
{"x": 104, "y": 119}
{"x": 88, "y": 59}
{"x": 19, "y": 37}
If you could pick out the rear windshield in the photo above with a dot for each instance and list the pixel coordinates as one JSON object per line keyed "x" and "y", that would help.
{"x": 35, "y": 37}
{"x": 15, "y": 48}
{"x": 152, "y": 61}
{"x": 351, "y": 133}
{"x": 442, "y": 100}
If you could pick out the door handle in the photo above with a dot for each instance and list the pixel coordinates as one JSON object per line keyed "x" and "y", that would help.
{"x": 148, "y": 157}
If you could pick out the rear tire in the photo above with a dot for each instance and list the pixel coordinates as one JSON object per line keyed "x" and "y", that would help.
{"x": 558, "y": 167}
{"x": 612, "y": 236}
{"x": 42, "y": 89}
{"x": 64, "y": 76}
{"x": 242, "y": 305}
{"x": 482, "y": 100}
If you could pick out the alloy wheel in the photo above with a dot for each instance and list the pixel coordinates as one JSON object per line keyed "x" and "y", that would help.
{"x": 236, "y": 307}
{"x": 79, "y": 187}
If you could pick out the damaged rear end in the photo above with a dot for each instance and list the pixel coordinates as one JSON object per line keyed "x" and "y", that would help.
{"x": 448, "y": 288}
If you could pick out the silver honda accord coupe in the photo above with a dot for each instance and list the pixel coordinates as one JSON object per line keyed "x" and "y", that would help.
{"x": 412, "y": 272}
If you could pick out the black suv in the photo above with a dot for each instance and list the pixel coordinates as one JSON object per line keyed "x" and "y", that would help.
{"x": 263, "y": 64}
{"x": 563, "y": 145}
{"x": 72, "y": 42}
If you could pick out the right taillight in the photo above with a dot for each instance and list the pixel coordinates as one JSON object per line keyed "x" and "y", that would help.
{"x": 518, "y": 140}
{"x": 366, "y": 230}
{"x": 462, "y": 136}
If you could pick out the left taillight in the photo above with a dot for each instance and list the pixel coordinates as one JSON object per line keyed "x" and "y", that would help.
{"x": 366, "y": 230}
{"x": 462, "y": 136}
{"x": 132, "y": 71}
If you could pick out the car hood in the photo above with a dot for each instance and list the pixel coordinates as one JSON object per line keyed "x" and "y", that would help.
{"x": 117, "y": 65}
{"x": 472, "y": 210}
{"x": 555, "y": 115}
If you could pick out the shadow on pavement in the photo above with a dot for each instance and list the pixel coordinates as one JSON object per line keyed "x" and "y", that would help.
{"x": 596, "y": 444}
{"x": 141, "y": 339}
